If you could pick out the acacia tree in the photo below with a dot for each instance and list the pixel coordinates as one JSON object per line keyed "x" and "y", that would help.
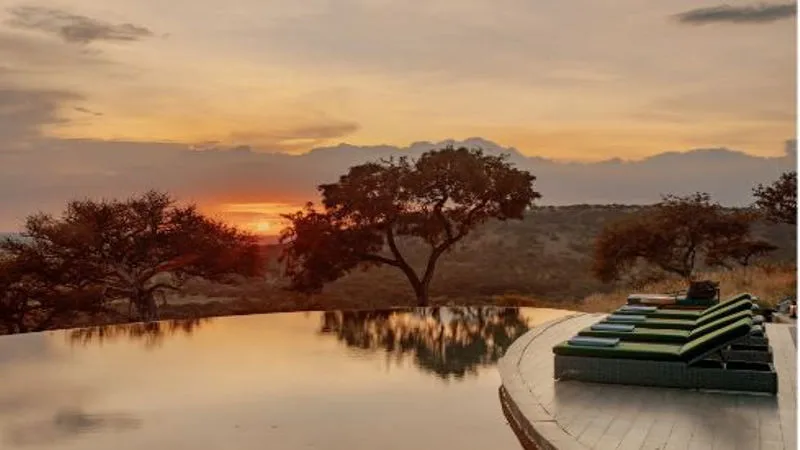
{"x": 35, "y": 295}
{"x": 674, "y": 236}
{"x": 778, "y": 201}
{"x": 732, "y": 242}
{"x": 132, "y": 249}
{"x": 438, "y": 198}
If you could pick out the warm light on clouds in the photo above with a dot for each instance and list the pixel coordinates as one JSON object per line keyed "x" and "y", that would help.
{"x": 105, "y": 97}
{"x": 387, "y": 72}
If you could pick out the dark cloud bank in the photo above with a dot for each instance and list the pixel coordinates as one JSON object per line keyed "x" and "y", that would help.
{"x": 38, "y": 173}
{"x": 760, "y": 13}
{"x": 74, "y": 28}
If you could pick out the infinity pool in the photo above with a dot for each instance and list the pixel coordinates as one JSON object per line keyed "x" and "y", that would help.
{"x": 399, "y": 379}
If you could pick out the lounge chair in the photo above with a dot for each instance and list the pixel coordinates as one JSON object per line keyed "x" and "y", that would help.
{"x": 753, "y": 347}
{"x": 634, "y": 333}
{"x": 643, "y": 321}
{"x": 686, "y": 314}
{"x": 699, "y": 364}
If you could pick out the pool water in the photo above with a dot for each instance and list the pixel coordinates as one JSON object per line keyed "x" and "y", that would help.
{"x": 398, "y": 379}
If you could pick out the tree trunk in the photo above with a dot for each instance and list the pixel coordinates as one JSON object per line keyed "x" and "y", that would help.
{"x": 421, "y": 291}
{"x": 145, "y": 304}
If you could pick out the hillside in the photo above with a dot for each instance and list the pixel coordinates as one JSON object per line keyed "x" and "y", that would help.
{"x": 547, "y": 256}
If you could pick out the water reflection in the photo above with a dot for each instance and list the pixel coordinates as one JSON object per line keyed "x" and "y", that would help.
{"x": 271, "y": 380}
{"x": 152, "y": 334}
{"x": 448, "y": 342}
{"x": 66, "y": 424}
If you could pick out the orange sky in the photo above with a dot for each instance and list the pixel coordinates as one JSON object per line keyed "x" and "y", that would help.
{"x": 580, "y": 81}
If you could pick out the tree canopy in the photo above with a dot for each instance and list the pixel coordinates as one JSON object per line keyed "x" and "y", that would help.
{"x": 438, "y": 198}
{"x": 130, "y": 249}
{"x": 675, "y": 236}
{"x": 778, "y": 201}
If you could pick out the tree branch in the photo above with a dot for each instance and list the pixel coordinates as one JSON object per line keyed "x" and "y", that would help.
{"x": 437, "y": 211}
{"x": 401, "y": 262}
{"x": 379, "y": 259}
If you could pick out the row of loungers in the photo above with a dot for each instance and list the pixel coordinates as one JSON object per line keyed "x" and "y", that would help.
{"x": 722, "y": 347}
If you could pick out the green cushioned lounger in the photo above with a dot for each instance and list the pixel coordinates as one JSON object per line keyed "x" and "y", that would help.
{"x": 688, "y": 365}
{"x": 661, "y": 352}
{"x": 686, "y": 314}
{"x": 662, "y": 335}
{"x": 643, "y": 321}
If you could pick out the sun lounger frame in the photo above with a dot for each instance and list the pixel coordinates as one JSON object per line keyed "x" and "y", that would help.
{"x": 719, "y": 368}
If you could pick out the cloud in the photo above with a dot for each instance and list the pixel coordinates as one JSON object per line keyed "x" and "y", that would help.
{"x": 23, "y": 112}
{"x": 314, "y": 132}
{"x": 74, "y": 28}
{"x": 87, "y": 111}
{"x": 213, "y": 177}
{"x": 762, "y": 13}
{"x": 38, "y": 173}
{"x": 27, "y": 55}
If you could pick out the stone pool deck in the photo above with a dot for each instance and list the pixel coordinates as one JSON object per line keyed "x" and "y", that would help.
{"x": 574, "y": 415}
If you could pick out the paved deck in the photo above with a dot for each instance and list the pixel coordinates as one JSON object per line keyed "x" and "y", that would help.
{"x": 576, "y": 415}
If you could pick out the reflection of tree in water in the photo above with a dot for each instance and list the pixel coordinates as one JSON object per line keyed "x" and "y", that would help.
{"x": 445, "y": 341}
{"x": 151, "y": 333}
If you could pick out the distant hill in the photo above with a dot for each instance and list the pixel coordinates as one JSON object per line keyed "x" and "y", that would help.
{"x": 244, "y": 175}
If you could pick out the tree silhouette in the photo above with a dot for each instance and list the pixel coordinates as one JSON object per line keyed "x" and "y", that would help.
{"x": 132, "y": 250}
{"x": 152, "y": 334}
{"x": 778, "y": 201}
{"x": 37, "y": 294}
{"x": 448, "y": 342}
{"x": 439, "y": 198}
{"x": 674, "y": 236}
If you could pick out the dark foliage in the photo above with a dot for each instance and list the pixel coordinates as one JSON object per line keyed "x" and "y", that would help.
{"x": 778, "y": 201}
{"x": 437, "y": 199}
{"x": 132, "y": 250}
{"x": 675, "y": 236}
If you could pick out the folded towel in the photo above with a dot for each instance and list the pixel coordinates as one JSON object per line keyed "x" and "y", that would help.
{"x": 613, "y": 327}
{"x": 757, "y": 330}
{"x": 758, "y": 320}
{"x": 625, "y": 318}
{"x": 638, "y": 308}
{"x": 586, "y": 341}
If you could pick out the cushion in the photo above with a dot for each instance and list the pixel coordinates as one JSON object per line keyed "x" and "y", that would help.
{"x": 613, "y": 327}
{"x": 586, "y": 341}
{"x": 625, "y": 318}
{"x": 641, "y": 308}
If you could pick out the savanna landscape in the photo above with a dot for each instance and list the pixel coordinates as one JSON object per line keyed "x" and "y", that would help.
{"x": 454, "y": 227}
{"x": 382, "y": 224}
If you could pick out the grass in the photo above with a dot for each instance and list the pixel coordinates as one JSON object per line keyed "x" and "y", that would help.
{"x": 770, "y": 283}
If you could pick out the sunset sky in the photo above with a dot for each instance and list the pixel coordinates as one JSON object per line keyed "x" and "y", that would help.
{"x": 578, "y": 80}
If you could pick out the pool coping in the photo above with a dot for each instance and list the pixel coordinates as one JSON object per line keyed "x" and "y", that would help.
{"x": 535, "y": 426}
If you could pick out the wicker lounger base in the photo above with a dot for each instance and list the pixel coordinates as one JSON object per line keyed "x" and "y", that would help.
{"x": 753, "y": 340}
{"x": 734, "y": 354}
{"x": 731, "y": 376}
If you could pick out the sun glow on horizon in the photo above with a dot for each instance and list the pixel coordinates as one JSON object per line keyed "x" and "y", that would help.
{"x": 261, "y": 218}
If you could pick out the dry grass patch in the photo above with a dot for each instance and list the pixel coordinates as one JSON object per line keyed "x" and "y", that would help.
{"x": 771, "y": 283}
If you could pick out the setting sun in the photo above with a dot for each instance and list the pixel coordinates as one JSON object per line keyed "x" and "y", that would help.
{"x": 263, "y": 227}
